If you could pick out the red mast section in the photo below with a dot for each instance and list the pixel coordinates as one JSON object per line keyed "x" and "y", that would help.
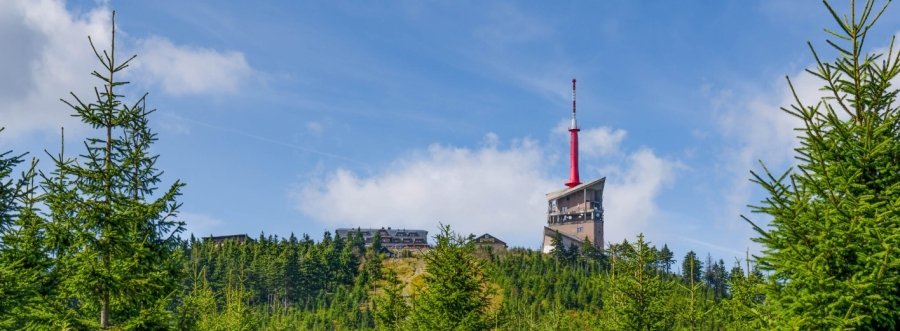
{"x": 573, "y": 146}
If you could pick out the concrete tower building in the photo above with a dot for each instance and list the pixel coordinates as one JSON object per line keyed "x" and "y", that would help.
{"x": 576, "y": 212}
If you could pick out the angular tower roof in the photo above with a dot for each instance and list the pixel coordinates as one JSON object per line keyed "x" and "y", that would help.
{"x": 566, "y": 191}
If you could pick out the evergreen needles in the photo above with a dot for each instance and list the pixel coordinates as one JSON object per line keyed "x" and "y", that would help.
{"x": 833, "y": 240}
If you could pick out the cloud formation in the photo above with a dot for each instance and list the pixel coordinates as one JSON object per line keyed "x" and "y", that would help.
{"x": 752, "y": 128}
{"x": 594, "y": 142}
{"x": 183, "y": 70}
{"x": 757, "y": 129}
{"x": 630, "y": 197}
{"x": 495, "y": 189}
{"x": 475, "y": 190}
{"x": 52, "y": 57}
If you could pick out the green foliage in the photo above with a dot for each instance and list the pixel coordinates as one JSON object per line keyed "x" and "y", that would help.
{"x": 391, "y": 308}
{"x": 745, "y": 310}
{"x": 636, "y": 300}
{"x": 96, "y": 237}
{"x": 559, "y": 250}
{"x": 26, "y": 279}
{"x": 716, "y": 278}
{"x": 9, "y": 188}
{"x": 372, "y": 261}
{"x": 690, "y": 268}
{"x": 113, "y": 239}
{"x": 537, "y": 291}
{"x": 693, "y": 310}
{"x": 274, "y": 283}
{"x": 833, "y": 240}
{"x": 666, "y": 259}
{"x": 454, "y": 296}
{"x": 198, "y": 305}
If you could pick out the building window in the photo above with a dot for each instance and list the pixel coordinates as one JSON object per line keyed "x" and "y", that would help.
{"x": 579, "y": 229}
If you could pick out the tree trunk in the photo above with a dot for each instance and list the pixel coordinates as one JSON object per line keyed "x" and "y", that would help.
{"x": 104, "y": 311}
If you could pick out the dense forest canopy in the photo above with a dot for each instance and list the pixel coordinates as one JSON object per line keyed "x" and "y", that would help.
{"x": 95, "y": 243}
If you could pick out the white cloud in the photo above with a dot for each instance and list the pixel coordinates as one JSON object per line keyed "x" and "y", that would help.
{"x": 600, "y": 141}
{"x": 181, "y": 70}
{"x": 630, "y": 197}
{"x": 594, "y": 142}
{"x": 476, "y": 191}
{"x": 315, "y": 128}
{"x": 756, "y": 129}
{"x": 52, "y": 57}
{"x": 486, "y": 189}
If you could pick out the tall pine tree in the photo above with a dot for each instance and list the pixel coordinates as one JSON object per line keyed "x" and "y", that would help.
{"x": 116, "y": 238}
{"x": 25, "y": 274}
{"x": 635, "y": 300}
{"x": 666, "y": 259}
{"x": 8, "y": 187}
{"x": 690, "y": 268}
{"x": 455, "y": 295}
{"x": 834, "y": 237}
{"x": 390, "y": 308}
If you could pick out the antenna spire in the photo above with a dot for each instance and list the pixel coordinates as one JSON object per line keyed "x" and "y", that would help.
{"x": 574, "y": 123}
{"x": 573, "y": 146}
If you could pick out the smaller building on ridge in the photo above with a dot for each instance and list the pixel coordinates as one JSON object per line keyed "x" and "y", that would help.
{"x": 487, "y": 240}
{"x": 219, "y": 240}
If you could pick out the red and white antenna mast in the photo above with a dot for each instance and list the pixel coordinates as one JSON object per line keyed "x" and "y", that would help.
{"x": 573, "y": 146}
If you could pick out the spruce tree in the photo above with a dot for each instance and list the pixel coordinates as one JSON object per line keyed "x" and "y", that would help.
{"x": 25, "y": 274}
{"x": 8, "y": 208}
{"x": 636, "y": 299}
{"x": 455, "y": 295}
{"x": 115, "y": 237}
{"x": 558, "y": 250}
{"x": 690, "y": 268}
{"x": 833, "y": 240}
{"x": 8, "y": 187}
{"x": 744, "y": 309}
{"x": 666, "y": 259}
{"x": 590, "y": 253}
{"x": 692, "y": 312}
{"x": 717, "y": 279}
{"x": 391, "y": 308}
{"x": 373, "y": 260}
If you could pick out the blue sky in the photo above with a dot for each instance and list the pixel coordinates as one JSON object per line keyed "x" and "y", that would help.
{"x": 287, "y": 116}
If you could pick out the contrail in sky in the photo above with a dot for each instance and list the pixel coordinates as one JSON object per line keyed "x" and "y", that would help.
{"x": 713, "y": 246}
{"x": 265, "y": 139}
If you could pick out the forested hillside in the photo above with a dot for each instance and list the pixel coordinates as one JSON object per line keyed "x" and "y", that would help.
{"x": 96, "y": 241}
{"x": 335, "y": 284}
